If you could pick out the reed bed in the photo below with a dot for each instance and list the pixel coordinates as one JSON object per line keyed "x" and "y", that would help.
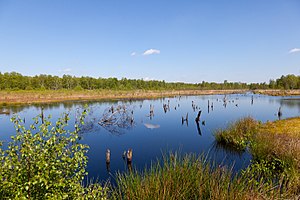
{"x": 193, "y": 177}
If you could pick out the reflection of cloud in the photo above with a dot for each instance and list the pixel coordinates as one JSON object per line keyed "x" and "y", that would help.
{"x": 294, "y": 50}
{"x": 65, "y": 70}
{"x": 133, "y": 54}
{"x": 151, "y": 126}
{"x": 151, "y": 51}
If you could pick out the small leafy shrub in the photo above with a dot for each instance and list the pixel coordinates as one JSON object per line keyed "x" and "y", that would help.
{"x": 45, "y": 162}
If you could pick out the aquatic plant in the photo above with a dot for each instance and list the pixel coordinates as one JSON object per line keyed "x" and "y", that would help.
{"x": 237, "y": 134}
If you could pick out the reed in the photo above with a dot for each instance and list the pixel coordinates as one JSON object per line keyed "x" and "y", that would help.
{"x": 192, "y": 177}
{"x": 237, "y": 134}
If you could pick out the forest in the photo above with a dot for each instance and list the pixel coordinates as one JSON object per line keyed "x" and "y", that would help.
{"x": 17, "y": 81}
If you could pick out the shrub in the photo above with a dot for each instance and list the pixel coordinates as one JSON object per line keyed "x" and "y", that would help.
{"x": 45, "y": 162}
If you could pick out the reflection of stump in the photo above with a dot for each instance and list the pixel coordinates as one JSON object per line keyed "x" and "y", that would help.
{"x": 42, "y": 114}
{"x": 108, "y": 167}
{"x": 198, "y": 116}
{"x": 198, "y": 128}
{"x": 107, "y": 156}
{"x": 124, "y": 155}
{"x": 129, "y": 165}
{"x": 129, "y": 155}
{"x": 279, "y": 113}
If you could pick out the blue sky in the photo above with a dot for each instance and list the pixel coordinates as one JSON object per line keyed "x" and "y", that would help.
{"x": 189, "y": 41}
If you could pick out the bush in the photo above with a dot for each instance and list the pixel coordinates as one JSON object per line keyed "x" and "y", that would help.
{"x": 45, "y": 162}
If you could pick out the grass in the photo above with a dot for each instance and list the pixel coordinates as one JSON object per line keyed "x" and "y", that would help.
{"x": 46, "y": 96}
{"x": 278, "y": 92}
{"x": 275, "y": 146}
{"x": 237, "y": 134}
{"x": 192, "y": 177}
{"x": 278, "y": 143}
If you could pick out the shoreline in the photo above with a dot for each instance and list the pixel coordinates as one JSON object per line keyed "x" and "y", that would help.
{"x": 54, "y": 96}
{"x": 51, "y": 96}
{"x": 277, "y": 92}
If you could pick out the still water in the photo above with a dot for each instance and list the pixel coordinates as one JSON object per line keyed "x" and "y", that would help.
{"x": 151, "y": 136}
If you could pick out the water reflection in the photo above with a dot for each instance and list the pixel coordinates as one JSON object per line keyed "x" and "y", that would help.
{"x": 152, "y": 126}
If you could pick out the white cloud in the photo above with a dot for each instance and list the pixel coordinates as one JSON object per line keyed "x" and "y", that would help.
{"x": 294, "y": 50}
{"x": 151, "y": 51}
{"x": 148, "y": 79}
{"x": 65, "y": 70}
{"x": 133, "y": 54}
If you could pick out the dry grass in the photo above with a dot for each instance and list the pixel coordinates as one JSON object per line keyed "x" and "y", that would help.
{"x": 34, "y": 96}
{"x": 278, "y": 92}
{"x": 279, "y": 139}
{"x": 275, "y": 147}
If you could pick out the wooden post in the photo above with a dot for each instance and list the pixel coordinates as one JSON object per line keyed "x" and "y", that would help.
{"x": 129, "y": 156}
{"x": 107, "y": 156}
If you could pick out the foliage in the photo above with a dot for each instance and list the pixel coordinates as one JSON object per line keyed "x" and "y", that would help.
{"x": 192, "y": 177}
{"x": 45, "y": 162}
{"x": 237, "y": 134}
{"x": 16, "y": 81}
{"x": 275, "y": 147}
{"x": 278, "y": 144}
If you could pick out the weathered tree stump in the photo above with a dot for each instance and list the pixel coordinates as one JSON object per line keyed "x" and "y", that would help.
{"x": 107, "y": 156}
{"x": 129, "y": 156}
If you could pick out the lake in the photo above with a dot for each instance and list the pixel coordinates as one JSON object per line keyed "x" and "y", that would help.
{"x": 151, "y": 136}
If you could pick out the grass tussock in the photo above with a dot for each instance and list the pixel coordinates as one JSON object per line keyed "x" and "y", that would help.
{"x": 238, "y": 134}
{"x": 192, "y": 177}
{"x": 275, "y": 147}
{"x": 277, "y": 144}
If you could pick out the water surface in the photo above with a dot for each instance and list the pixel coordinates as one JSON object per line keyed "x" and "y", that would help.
{"x": 150, "y": 137}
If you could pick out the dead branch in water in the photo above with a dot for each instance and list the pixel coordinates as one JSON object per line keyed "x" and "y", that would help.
{"x": 116, "y": 119}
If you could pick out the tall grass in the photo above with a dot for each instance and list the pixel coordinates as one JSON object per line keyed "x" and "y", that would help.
{"x": 275, "y": 147}
{"x": 192, "y": 177}
{"x": 237, "y": 134}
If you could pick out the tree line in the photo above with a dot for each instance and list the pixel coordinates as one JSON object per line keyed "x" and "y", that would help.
{"x": 16, "y": 81}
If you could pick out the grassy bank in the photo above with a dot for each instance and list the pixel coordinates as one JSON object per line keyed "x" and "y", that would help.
{"x": 46, "y": 96}
{"x": 192, "y": 177}
{"x": 275, "y": 146}
{"x": 278, "y": 92}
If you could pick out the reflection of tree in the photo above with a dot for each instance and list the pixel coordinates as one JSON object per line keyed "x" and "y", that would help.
{"x": 90, "y": 122}
{"x": 291, "y": 103}
{"x": 117, "y": 119}
{"x": 225, "y": 148}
